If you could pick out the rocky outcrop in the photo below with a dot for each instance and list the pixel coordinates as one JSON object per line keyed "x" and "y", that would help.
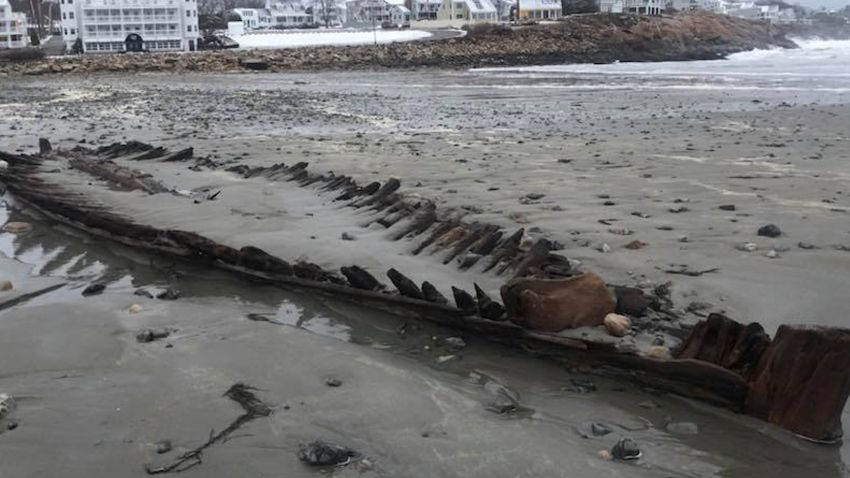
{"x": 553, "y": 305}
{"x": 581, "y": 39}
{"x": 802, "y": 381}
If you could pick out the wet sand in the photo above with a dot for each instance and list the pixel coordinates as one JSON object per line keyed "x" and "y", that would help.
{"x": 92, "y": 401}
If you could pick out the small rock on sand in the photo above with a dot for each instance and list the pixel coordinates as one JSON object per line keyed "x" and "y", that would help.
{"x": 94, "y": 289}
{"x": 617, "y": 325}
{"x": 5, "y": 285}
{"x": 658, "y": 352}
{"x": 346, "y": 236}
{"x": 333, "y": 382}
{"x": 626, "y": 449}
{"x": 454, "y": 342}
{"x": 149, "y": 335}
{"x": 727, "y": 207}
{"x": 747, "y": 247}
{"x": 604, "y": 248}
{"x": 134, "y": 309}
{"x": 635, "y": 245}
{"x": 770, "y": 230}
{"x": 594, "y": 429}
{"x": 320, "y": 453}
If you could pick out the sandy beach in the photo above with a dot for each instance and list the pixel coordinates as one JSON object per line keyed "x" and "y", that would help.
{"x": 617, "y": 156}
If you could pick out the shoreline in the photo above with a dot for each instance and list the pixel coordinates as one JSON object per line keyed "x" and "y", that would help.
{"x": 601, "y": 38}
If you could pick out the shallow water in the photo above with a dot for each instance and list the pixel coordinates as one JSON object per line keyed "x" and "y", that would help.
{"x": 817, "y": 66}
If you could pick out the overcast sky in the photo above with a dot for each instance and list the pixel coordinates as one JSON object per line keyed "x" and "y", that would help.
{"x": 823, "y": 3}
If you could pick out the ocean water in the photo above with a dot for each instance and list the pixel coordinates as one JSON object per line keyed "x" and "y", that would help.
{"x": 817, "y": 65}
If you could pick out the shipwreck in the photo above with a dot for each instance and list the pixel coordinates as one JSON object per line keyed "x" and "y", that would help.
{"x": 508, "y": 286}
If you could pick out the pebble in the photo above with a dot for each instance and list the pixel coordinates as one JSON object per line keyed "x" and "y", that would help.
{"x": 605, "y": 455}
{"x": 682, "y": 428}
{"x": 134, "y": 309}
{"x": 7, "y": 405}
{"x": 604, "y": 248}
{"x": 5, "y": 285}
{"x": 445, "y": 358}
{"x": 806, "y": 245}
{"x": 770, "y": 230}
{"x": 617, "y": 325}
{"x": 143, "y": 293}
{"x": 320, "y": 453}
{"x": 348, "y": 237}
{"x": 594, "y": 429}
{"x": 635, "y": 245}
{"x": 772, "y": 254}
{"x": 17, "y": 227}
{"x": 149, "y": 335}
{"x": 333, "y": 382}
{"x": 727, "y": 207}
{"x": 94, "y": 289}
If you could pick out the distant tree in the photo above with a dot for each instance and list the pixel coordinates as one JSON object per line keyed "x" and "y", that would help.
{"x": 326, "y": 8}
{"x": 208, "y": 23}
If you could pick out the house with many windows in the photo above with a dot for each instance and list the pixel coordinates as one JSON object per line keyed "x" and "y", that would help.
{"x": 540, "y": 9}
{"x": 13, "y": 27}
{"x": 472, "y": 11}
{"x": 130, "y": 25}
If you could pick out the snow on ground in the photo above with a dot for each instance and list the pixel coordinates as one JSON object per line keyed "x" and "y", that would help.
{"x": 315, "y": 38}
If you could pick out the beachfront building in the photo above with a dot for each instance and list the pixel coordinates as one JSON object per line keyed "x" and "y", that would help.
{"x": 611, "y": 6}
{"x": 424, "y": 9}
{"x": 645, "y": 7}
{"x": 283, "y": 14}
{"x": 752, "y": 11}
{"x": 399, "y": 16}
{"x": 540, "y": 9}
{"x": 368, "y": 13}
{"x": 13, "y": 27}
{"x": 130, "y": 25}
{"x": 472, "y": 11}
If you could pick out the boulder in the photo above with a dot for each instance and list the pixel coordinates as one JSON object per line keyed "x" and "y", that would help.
{"x": 553, "y": 305}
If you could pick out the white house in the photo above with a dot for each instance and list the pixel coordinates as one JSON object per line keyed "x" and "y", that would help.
{"x": 751, "y": 11}
{"x": 539, "y": 9}
{"x": 645, "y": 7}
{"x": 13, "y": 27}
{"x": 130, "y": 25}
{"x": 369, "y": 12}
{"x": 472, "y": 11}
{"x": 400, "y": 16}
{"x": 611, "y": 6}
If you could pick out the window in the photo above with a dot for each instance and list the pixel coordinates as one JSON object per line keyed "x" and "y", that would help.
{"x": 189, "y": 28}
{"x": 64, "y": 17}
{"x": 73, "y": 31}
{"x": 188, "y": 13}
{"x": 71, "y": 15}
{"x": 66, "y": 31}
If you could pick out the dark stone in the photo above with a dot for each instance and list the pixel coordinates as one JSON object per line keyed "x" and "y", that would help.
{"x": 464, "y": 301}
{"x": 770, "y": 230}
{"x": 143, "y": 293}
{"x": 626, "y": 449}
{"x": 320, "y": 453}
{"x": 405, "y": 286}
{"x": 727, "y": 207}
{"x": 360, "y": 279}
{"x": 169, "y": 294}
{"x": 149, "y": 335}
{"x": 94, "y": 289}
{"x": 333, "y": 382}
{"x": 632, "y": 301}
{"x": 502, "y": 405}
{"x": 431, "y": 294}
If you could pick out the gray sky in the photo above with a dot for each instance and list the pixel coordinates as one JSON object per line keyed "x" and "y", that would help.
{"x": 823, "y": 3}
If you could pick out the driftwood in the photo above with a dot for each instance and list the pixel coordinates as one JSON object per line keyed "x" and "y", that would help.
{"x": 254, "y": 408}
